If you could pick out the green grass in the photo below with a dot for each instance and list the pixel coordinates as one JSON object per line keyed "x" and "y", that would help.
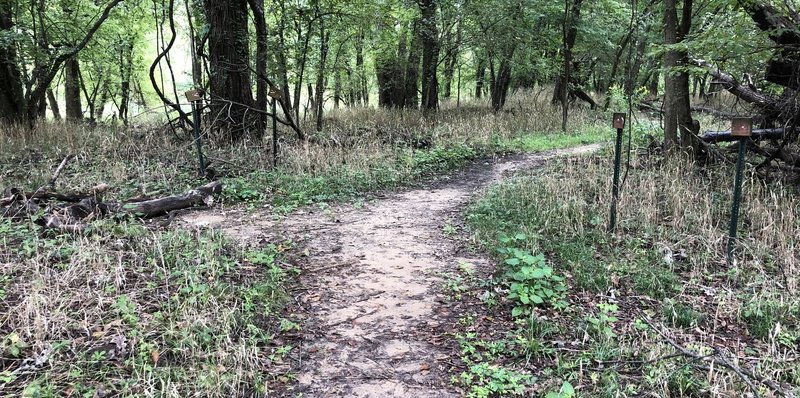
{"x": 548, "y": 141}
{"x": 134, "y": 312}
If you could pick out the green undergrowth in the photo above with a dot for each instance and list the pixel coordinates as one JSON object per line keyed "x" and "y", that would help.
{"x": 127, "y": 311}
{"x": 585, "y": 305}
{"x": 548, "y": 141}
{"x": 286, "y": 190}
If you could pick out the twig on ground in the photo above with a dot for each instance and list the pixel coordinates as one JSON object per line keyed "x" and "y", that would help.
{"x": 719, "y": 358}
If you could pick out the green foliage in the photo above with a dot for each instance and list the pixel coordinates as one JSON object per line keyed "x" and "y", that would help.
{"x": 761, "y": 316}
{"x": 487, "y": 380}
{"x": 566, "y": 391}
{"x": 532, "y": 281}
{"x": 484, "y": 378}
{"x": 602, "y": 324}
{"x": 286, "y": 190}
{"x": 680, "y": 315}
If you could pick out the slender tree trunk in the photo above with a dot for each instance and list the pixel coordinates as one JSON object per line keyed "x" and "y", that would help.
{"x": 229, "y": 57}
{"x": 102, "y": 102}
{"x": 615, "y": 65}
{"x": 321, "y": 72}
{"x": 636, "y": 64}
{"x": 480, "y": 76}
{"x": 502, "y": 81}
{"x": 262, "y": 88}
{"x": 283, "y": 67}
{"x": 430, "y": 54}
{"x": 450, "y": 63}
{"x": 363, "y": 91}
{"x": 301, "y": 68}
{"x": 337, "y": 87}
{"x": 72, "y": 90}
{"x": 51, "y": 98}
{"x": 126, "y": 73}
{"x": 570, "y": 34}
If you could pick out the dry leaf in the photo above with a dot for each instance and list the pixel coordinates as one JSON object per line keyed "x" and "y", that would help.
{"x": 424, "y": 367}
{"x": 155, "y": 355}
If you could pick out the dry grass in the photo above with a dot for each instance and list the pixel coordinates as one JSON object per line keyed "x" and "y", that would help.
{"x": 667, "y": 262}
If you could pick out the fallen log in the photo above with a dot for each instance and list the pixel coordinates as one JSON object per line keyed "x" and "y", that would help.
{"x": 156, "y": 207}
{"x": 73, "y": 197}
{"x": 758, "y": 134}
{"x": 741, "y": 91}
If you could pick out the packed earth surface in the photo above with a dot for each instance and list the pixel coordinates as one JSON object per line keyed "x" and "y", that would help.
{"x": 371, "y": 281}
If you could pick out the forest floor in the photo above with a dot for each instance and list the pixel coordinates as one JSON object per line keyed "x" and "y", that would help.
{"x": 375, "y": 315}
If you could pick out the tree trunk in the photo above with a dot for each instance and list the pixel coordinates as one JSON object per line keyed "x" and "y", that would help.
{"x": 126, "y": 73}
{"x": 321, "y": 72}
{"x": 678, "y": 124}
{"x": 412, "y": 69}
{"x": 283, "y": 68}
{"x": 51, "y": 98}
{"x": 229, "y": 60}
{"x": 361, "y": 72}
{"x": 390, "y": 81}
{"x": 450, "y": 63}
{"x": 480, "y": 76}
{"x": 502, "y": 82}
{"x": 13, "y": 106}
{"x": 72, "y": 90}
{"x": 570, "y": 34}
{"x": 635, "y": 65}
{"x": 262, "y": 88}
{"x": 399, "y": 84}
{"x": 430, "y": 55}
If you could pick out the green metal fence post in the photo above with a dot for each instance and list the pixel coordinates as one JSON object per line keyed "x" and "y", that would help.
{"x": 619, "y": 124}
{"x": 742, "y": 129}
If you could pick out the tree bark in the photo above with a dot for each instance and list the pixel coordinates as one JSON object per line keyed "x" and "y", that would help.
{"x": 72, "y": 90}
{"x": 363, "y": 89}
{"x": 321, "y": 72}
{"x": 678, "y": 124}
{"x": 229, "y": 60}
{"x": 13, "y": 106}
{"x": 51, "y": 98}
{"x": 430, "y": 54}
{"x": 412, "y": 70}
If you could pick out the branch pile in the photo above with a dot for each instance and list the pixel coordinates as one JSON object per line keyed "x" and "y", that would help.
{"x": 73, "y": 211}
{"x": 778, "y": 115}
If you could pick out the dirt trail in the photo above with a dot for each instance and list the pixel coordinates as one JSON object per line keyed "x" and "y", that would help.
{"x": 372, "y": 283}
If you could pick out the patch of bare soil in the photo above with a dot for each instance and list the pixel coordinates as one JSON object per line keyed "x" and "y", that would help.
{"x": 371, "y": 283}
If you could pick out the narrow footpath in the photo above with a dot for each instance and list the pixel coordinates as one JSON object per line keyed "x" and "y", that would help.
{"x": 371, "y": 284}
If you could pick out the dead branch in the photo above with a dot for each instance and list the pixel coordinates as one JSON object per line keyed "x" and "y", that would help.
{"x": 59, "y": 169}
{"x": 719, "y": 358}
{"x": 157, "y": 207}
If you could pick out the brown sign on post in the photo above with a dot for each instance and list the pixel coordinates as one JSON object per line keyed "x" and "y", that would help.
{"x": 619, "y": 120}
{"x": 275, "y": 92}
{"x": 741, "y": 127}
{"x": 194, "y": 95}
